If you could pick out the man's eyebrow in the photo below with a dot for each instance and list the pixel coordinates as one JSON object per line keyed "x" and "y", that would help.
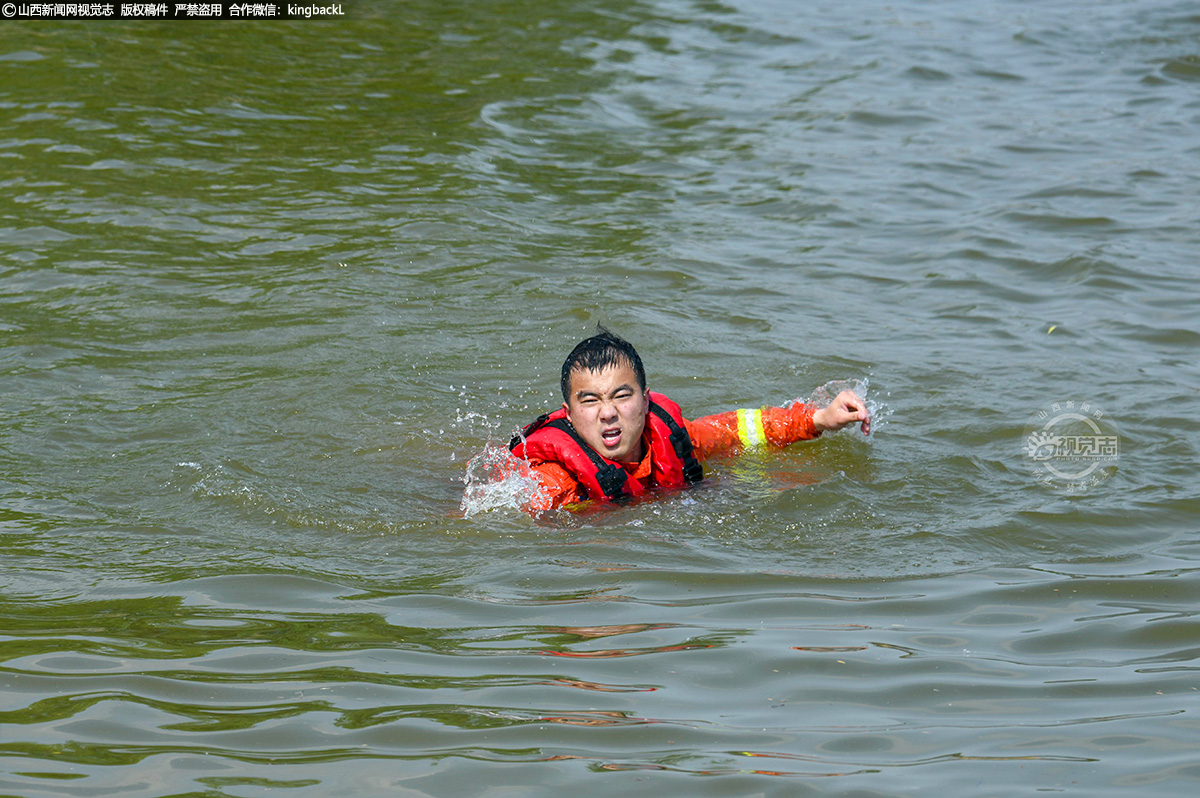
{"x": 582, "y": 393}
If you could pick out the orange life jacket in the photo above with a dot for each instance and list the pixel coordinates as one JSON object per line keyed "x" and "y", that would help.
{"x": 552, "y": 439}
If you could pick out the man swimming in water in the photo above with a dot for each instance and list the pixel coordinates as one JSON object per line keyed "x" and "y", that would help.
{"x": 613, "y": 440}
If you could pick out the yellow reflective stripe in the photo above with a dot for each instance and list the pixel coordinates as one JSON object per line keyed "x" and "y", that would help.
{"x": 750, "y": 428}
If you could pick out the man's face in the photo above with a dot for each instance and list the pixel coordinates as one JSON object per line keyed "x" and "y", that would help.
{"x": 608, "y": 410}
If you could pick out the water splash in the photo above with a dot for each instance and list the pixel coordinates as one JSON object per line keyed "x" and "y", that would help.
{"x": 496, "y": 479}
{"x": 826, "y": 393}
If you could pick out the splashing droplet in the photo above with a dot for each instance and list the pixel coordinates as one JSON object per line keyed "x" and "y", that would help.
{"x": 825, "y": 394}
{"x": 496, "y": 479}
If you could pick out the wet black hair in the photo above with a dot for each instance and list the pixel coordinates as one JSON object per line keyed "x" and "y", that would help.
{"x": 597, "y": 353}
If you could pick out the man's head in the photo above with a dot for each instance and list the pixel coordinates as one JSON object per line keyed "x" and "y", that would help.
{"x": 597, "y": 353}
{"x": 604, "y": 393}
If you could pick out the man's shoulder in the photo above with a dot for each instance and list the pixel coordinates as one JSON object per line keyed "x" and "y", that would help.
{"x": 551, "y": 470}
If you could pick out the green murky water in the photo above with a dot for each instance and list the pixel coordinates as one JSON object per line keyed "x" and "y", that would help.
{"x": 267, "y": 288}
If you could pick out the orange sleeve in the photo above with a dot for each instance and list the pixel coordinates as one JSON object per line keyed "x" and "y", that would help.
{"x": 723, "y": 433}
{"x": 558, "y": 488}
